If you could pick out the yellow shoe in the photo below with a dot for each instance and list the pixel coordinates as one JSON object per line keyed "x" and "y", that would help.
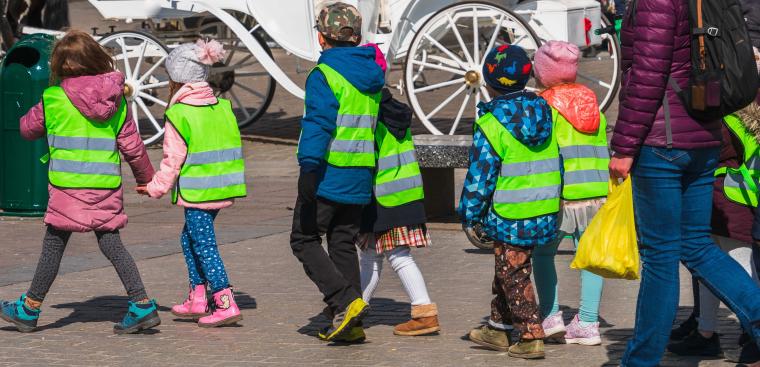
{"x": 355, "y": 335}
{"x": 344, "y": 321}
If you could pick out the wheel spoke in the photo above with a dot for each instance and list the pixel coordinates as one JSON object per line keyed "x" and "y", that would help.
{"x": 152, "y": 119}
{"x": 446, "y": 101}
{"x": 438, "y": 67}
{"x": 476, "y": 42}
{"x": 485, "y": 93}
{"x": 439, "y": 85}
{"x": 152, "y": 99}
{"x": 458, "y": 36}
{"x": 446, "y": 51}
{"x": 135, "y": 116}
{"x": 140, "y": 59}
{"x": 151, "y": 70}
{"x": 239, "y": 104}
{"x": 595, "y": 80}
{"x": 127, "y": 67}
{"x": 461, "y": 111}
{"x": 246, "y": 58}
{"x": 494, "y": 36}
{"x": 154, "y": 85}
{"x": 232, "y": 53}
{"x": 250, "y": 90}
{"x": 477, "y": 102}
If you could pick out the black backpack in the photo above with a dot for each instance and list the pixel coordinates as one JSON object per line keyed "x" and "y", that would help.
{"x": 723, "y": 71}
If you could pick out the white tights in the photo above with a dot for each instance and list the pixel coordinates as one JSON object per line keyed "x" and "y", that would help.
{"x": 403, "y": 264}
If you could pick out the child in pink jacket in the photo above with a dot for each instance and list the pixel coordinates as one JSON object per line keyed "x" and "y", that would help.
{"x": 203, "y": 166}
{"x": 85, "y": 194}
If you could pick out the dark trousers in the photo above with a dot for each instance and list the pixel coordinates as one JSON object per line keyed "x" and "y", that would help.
{"x": 335, "y": 272}
{"x": 515, "y": 302}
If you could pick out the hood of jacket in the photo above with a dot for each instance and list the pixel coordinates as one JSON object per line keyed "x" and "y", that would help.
{"x": 525, "y": 115}
{"x": 95, "y": 96}
{"x": 577, "y": 104}
{"x": 395, "y": 115}
{"x": 750, "y": 118}
{"x": 357, "y": 65}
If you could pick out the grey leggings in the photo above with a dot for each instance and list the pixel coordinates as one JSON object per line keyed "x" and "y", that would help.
{"x": 110, "y": 245}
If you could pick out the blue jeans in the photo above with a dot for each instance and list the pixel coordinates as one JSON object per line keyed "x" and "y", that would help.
{"x": 204, "y": 264}
{"x": 672, "y": 195}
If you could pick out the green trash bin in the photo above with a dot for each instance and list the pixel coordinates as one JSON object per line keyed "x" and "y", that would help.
{"x": 24, "y": 75}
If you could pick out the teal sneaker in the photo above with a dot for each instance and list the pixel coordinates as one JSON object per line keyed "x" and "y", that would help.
{"x": 140, "y": 316}
{"x": 24, "y": 318}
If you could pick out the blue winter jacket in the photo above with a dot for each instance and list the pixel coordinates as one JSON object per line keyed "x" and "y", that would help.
{"x": 528, "y": 117}
{"x": 342, "y": 185}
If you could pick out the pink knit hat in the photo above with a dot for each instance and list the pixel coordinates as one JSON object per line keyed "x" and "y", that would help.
{"x": 556, "y": 62}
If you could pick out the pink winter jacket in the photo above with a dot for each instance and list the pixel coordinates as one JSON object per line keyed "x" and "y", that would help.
{"x": 80, "y": 210}
{"x": 175, "y": 149}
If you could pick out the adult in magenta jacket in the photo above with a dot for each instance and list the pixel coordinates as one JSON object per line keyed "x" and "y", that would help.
{"x": 672, "y": 180}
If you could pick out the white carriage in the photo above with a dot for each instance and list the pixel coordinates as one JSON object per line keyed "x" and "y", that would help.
{"x": 438, "y": 45}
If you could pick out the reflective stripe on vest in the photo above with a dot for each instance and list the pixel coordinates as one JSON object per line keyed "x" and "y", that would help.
{"x": 83, "y": 152}
{"x": 214, "y": 168}
{"x": 741, "y": 184}
{"x": 352, "y": 143}
{"x": 529, "y": 183}
{"x": 585, "y": 159}
{"x": 398, "y": 179}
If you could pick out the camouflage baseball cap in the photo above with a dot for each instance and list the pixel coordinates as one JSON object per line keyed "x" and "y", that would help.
{"x": 340, "y": 22}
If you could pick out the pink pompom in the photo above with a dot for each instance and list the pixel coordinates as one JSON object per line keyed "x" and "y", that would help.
{"x": 210, "y": 52}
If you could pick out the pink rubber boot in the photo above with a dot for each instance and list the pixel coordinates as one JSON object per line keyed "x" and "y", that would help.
{"x": 196, "y": 304}
{"x": 226, "y": 311}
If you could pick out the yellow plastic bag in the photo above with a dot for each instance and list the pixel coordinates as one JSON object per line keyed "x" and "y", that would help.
{"x": 608, "y": 247}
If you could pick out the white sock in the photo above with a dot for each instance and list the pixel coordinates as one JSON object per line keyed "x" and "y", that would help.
{"x": 403, "y": 264}
{"x": 371, "y": 265}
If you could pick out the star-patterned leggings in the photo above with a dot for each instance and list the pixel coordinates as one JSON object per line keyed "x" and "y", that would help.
{"x": 204, "y": 264}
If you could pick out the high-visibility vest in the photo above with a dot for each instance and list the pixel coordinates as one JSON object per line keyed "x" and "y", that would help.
{"x": 529, "y": 182}
{"x": 398, "y": 179}
{"x": 83, "y": 151}
{"x": 214, "y": 168}
{"x": 585, "y": 158}
{"x": 741, "y": 184}
{"x": 353, "y": 142}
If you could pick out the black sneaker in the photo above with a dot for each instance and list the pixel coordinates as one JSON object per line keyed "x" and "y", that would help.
{"x": 747, "y": 354}
{"x": 697, "y": 345}
{"x": 685, "y": 329}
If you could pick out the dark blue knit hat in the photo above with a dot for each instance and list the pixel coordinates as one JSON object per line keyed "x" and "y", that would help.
{"x": 507, "y": 68}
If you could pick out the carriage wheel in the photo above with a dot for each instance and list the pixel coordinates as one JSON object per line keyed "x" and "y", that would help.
{"x": 240, "y": 77}
{"x": 602, "y": 72}
{"x": 141, "y": 57}
{"x": 442, "y": 76}
{"x": 599, "y": 67}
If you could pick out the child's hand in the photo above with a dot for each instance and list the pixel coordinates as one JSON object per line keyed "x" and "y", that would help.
{"x": 142, "y": 190}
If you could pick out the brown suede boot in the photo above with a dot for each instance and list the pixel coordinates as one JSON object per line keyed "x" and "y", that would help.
{"x": 424, "y": 321}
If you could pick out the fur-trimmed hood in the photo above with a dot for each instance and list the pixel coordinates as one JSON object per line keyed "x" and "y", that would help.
{"x": 750, "y": 118}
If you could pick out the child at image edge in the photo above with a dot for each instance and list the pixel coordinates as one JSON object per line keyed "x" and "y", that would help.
{"x": 580, "y": 130}
{"x": 203, "y": 164}
{"x": 87, "y": 124}
{"x": 512, "y": 190}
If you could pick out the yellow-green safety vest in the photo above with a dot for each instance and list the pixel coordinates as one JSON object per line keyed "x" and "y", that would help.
{"x": 398, "y": 180}
{"x": 83, "y": 151}
{"x": 353, "y": 142}
{"x": 741, "y": 184}
{"x": 530, "y": 181}
{"x": 214, "y": 168}
{"x": 585, "y": 158}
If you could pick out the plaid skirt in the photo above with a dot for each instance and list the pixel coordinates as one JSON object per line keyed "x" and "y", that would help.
{"x": 411, "y": 236}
